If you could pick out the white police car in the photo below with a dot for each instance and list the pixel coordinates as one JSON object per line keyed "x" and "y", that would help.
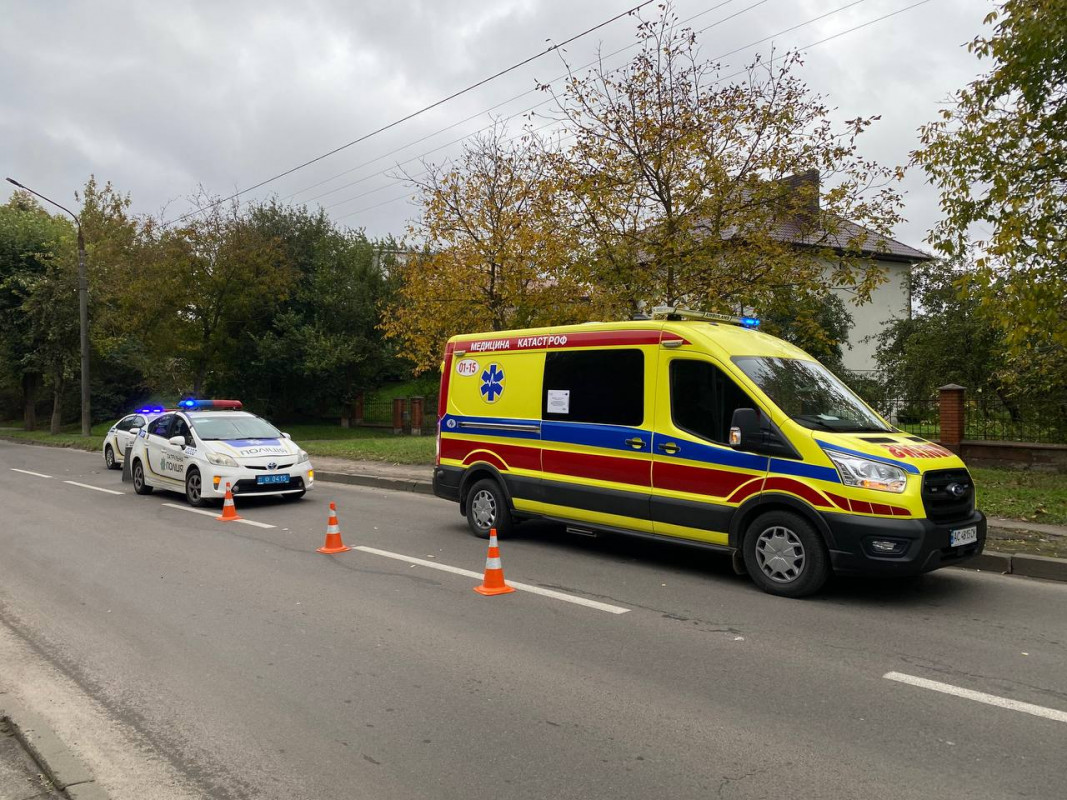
{"x": 206, "y": 444}
{"x": 124, "y": 432}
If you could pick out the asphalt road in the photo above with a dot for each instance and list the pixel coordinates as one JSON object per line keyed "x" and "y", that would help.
{"x": 232, "y": 660}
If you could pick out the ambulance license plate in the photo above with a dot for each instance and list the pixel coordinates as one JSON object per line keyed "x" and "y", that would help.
{"x": 963, "y": 536}
{"x": 261, "y": 479}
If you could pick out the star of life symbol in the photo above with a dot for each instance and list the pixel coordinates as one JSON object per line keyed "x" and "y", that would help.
{"x": 492, "y": 383}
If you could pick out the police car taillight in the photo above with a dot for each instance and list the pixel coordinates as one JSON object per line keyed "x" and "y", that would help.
{"x": 210, "y": 405}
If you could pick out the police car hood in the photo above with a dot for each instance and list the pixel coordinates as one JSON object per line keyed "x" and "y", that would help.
{"x": 254, "y": 451}
{"x": 902, "y": 449}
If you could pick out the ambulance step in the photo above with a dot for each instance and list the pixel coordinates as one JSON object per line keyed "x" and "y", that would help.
{"x": 582, "y": 532}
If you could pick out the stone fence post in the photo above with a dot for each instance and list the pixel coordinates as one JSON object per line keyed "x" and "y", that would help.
{"x": 953, "y": 417}
{"x": 416, "y": 416}
{"x": 398, "y": 415}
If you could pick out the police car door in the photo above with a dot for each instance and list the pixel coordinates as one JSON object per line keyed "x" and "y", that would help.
{"x": 123, "y": 437}
{"x": 160, "y": 452}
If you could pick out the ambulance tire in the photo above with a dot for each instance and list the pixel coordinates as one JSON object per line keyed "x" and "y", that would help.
{"x": 487, "y": 508}
{"x": 139, "y": 484}
{"x": 785, "y": 555}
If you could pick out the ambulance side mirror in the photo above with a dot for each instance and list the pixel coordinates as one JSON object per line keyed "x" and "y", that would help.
{"x": 745, "y": 429}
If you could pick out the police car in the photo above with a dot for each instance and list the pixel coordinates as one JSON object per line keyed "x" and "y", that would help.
{"x": 206, "y": 444}
{"x": 124, "y": 432}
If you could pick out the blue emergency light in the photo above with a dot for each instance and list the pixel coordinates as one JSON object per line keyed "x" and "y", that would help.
{"x": 150, "y": 410}
{"x": 211, "y": 405}
{"x": 749, "y": 322}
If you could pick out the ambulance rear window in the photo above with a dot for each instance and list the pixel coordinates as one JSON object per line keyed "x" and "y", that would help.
{"x": 604, "y": 387}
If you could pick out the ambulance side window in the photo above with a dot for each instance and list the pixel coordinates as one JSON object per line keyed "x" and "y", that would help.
{"x": 604, "y": 387}
{"x": 703, "y": 399}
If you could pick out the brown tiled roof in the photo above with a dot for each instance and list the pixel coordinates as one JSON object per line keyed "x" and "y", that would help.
{"x": 849, "y": 234}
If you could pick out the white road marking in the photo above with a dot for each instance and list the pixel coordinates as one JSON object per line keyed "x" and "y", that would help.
{"x": 567, "y": 598}
{"x": 27, "y": 472}
{"x": 95, "y": 488}
{"x": 213, "y": 515}
{"x": 980, "y": 697}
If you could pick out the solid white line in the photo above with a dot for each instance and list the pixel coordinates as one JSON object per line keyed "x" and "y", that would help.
{"x": 980, "y": 697}
{"x": 212, "y": 514}
{"x": 567, "y": 598}
{"x": 95, "y": 488}
{"x": 27, "y": 472}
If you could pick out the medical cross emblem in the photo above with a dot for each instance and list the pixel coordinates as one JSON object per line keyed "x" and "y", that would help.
{"x": 492, "y": 383}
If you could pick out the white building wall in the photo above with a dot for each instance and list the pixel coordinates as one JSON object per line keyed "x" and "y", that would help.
{"x": 889, "y": 301}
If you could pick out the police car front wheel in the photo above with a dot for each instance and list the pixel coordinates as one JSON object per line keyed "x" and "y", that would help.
{"x": 109, "y": 458}
{"x": 194, "y": 489}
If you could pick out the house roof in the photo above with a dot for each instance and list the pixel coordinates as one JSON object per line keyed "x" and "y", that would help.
{"x": 847, "y": 233}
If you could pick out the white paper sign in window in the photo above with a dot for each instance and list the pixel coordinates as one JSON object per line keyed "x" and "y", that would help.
{"x": 559, "y": 401}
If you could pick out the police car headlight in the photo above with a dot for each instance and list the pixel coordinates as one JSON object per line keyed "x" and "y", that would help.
{"x": 221, "y": 460}
{"x": 303, "y": 457}
{"x": 868, "y": 474}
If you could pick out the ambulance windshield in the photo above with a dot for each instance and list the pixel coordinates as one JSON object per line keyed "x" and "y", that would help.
{"x": 810, "y": 394}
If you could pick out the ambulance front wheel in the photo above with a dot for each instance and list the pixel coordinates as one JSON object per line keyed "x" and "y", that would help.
{"x": 487, "y": 508}
{"x": 785, "y": 555}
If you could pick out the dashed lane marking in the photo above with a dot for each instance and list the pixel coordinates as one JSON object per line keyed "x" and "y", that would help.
{"x": 94, "y": 488}
{"x": 27, "y": 472}
{"x": 213, "y": 514}
{"x": 567, "y": 598}
{"x": 979, "y": 697}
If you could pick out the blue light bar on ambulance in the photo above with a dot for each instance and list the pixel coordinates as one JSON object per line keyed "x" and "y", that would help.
{"x": 749, "y": 322}
{"x": 211, "y": 405}
{"x": 676, "y": 313}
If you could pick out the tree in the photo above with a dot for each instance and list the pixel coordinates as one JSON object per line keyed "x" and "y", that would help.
{"x": 496, "y": 254}
{"x": 817, "y": 324}
{"x": 999, "y": 157}
{"x": 687, "y": 186}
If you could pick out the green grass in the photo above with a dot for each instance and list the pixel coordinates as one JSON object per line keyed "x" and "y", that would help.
{"x": 1022, "y": 494}
{"x": 363, "y": 444}
{"x": 70, "y": 435}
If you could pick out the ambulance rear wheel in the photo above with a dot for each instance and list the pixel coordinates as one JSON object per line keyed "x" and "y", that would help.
{"x": 785, "y": 555}
{"x": 487, "y": 508}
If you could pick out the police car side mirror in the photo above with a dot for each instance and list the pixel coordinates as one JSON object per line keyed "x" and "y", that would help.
{"x": 286, "y": 435}
{"x": 177, "y": 441}
{"x": 135, "y": 431}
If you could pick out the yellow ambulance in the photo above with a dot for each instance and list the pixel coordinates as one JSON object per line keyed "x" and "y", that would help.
{"x": 696, "y": 427}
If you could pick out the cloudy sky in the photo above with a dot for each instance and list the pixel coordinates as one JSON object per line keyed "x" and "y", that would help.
{"x": 162, "y": 98}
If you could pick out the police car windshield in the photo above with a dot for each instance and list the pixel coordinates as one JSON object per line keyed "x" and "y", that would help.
{"x": 810, "y": 394}
{"x": 233, "y": 426}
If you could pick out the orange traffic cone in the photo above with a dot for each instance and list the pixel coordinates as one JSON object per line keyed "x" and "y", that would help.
{"x": 333, "y": 535}
{"x": 493, "y": 583}
{"x": 229, "y": 511}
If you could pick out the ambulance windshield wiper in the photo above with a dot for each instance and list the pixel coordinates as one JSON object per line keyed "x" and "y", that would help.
{"x": 813, "y": 419}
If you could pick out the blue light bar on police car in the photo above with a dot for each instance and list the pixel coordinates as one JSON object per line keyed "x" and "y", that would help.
{"x": 211, "y": 405}
{"x": 150, "y": 410}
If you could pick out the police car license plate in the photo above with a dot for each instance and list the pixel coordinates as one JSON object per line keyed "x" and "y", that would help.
{"x": 261, "y": 479}
{"x": 963, "y": 536}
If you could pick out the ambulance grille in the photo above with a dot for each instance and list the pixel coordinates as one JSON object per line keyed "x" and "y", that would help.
{"x": 940, "y": 503}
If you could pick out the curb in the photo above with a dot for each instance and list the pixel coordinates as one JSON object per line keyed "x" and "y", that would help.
{"x": 1022, "y": 564}
{"x": 67, "y": 774}
{"x": 396, "y": 484}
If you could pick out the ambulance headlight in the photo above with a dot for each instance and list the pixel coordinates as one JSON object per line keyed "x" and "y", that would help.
{"x": 867, "y": 474}
{"x": 221, "y": 460}
{"x": 303, "y": 457}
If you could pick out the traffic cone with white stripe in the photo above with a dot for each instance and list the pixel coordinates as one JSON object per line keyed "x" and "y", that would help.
{"x": 333, "y": 535}
{"x": 229, "y": 511}
{"x": 493, "y": 583}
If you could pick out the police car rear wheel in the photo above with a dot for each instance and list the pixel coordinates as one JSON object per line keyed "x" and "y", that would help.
{"x": 785, "y": 555}
{"x": 109, "y": 458}
{"x": 487, "y": 508}
{"x": 194, "y": 489}
{"x": 139, "y": 485}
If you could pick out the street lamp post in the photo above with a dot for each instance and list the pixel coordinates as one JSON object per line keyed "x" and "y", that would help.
{"x": 83, "y": 305}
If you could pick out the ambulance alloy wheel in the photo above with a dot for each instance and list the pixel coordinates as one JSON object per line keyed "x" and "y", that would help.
{"x": 194, "y": 489}
{"x": 139, "y": 485}
{"x": 109, "y": 458}
{"x": 487, "y": 508}
{"x": 785, "y": 555}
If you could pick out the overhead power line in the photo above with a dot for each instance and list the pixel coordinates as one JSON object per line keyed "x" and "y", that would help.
{"x": 422, "y": 110}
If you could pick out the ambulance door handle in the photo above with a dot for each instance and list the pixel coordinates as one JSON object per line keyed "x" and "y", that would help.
{"x": 669, "y": 447}
{"x": 636, "y": 443}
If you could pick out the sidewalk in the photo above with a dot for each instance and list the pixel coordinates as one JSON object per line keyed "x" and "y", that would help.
{"x": 20, "y": 777}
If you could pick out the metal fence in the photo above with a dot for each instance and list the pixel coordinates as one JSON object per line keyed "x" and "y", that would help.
{"x": 1042, "y": 420}
{"x": 921, "y": 417}
{"x": 378, "y": 412}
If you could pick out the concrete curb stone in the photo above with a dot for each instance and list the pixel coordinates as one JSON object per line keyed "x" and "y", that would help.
{"x": 55, "y": 759}
{"x": 397, "y": 484}
{"x": 1053, "y": 569}
{"x": 990, "y": 561}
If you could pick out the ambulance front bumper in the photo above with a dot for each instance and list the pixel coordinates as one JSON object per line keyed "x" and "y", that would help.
{"x": 245, "y": 481}
{"x": 925, "y": 545}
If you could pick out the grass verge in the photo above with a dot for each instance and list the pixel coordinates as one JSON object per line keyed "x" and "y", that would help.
{"x": 1022, "y": 494}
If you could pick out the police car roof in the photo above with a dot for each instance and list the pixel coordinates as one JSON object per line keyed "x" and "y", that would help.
{"x": 196, "y": 414}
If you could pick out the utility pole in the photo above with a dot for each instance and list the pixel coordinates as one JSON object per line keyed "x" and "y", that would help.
{"x": 83, "y": 305}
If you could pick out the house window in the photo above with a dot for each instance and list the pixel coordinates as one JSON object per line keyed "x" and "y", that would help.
{"x": 605, "y": 387}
